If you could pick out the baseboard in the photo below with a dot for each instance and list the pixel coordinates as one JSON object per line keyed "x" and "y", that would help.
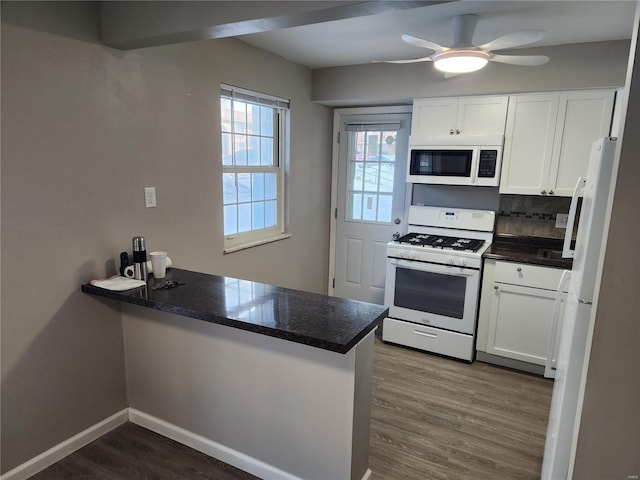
{"x": 63, "y": 449}
{"x": 367, "y": 475}
{"x": 209, "y": 447}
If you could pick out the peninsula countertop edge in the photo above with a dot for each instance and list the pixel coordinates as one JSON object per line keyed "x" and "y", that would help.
{"x": 330, "y": 323}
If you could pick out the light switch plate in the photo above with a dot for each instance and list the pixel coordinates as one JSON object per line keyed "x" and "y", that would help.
{"x": 561, "y": 220}
{"x": 150, "y": 197}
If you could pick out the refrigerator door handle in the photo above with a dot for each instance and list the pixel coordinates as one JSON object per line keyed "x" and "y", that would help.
{"x": 567, "y": 251}
{"x": 558, "y": 313}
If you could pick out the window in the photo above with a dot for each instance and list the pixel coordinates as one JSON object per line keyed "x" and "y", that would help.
{"x": 372, "y": 157}
{"x": 254, "y": 149}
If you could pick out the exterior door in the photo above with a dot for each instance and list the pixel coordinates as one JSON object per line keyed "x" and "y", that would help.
{"x": 371, "y": 191}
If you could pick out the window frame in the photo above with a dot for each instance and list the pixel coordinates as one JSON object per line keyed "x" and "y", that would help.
{"x": 254, "y": 237}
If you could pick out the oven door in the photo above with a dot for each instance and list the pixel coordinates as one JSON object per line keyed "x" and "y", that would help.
{"x": 431, "y": 294}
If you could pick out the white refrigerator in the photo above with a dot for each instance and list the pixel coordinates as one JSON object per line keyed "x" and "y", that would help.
{"x": 566, "y": 403}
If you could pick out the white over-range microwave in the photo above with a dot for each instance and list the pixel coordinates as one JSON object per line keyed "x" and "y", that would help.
{"x": 473, "y": 164}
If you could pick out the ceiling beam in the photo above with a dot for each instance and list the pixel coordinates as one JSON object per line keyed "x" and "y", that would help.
{"x": 129, "y": 25}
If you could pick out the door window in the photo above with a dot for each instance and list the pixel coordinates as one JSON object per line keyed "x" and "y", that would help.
{"x": 371, "y": 164}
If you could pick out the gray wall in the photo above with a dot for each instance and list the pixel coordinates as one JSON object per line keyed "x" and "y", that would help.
{"x": 84, "y": 129}
{"x": 585, "y": 65}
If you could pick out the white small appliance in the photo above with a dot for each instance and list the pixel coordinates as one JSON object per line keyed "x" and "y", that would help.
{"x": 471, "y": 161}
{"x": 566, "y": 403}
{"x": 433, "y": 280}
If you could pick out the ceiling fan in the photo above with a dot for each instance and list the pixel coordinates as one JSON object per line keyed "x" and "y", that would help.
{"x": 464, "y": 57}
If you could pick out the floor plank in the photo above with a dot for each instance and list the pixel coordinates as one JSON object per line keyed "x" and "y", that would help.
{"x": 432, "y": 418}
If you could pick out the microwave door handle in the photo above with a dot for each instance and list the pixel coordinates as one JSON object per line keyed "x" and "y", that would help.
{"x": 474, "y": 165}
{"x": 567, "y": 251}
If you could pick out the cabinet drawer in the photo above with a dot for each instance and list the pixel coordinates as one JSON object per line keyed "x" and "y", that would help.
{"x": 428, "y": 339}
{"x": 528, "y": 275}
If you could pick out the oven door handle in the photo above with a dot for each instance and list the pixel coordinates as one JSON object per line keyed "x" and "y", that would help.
{"x": 433, "y": 267}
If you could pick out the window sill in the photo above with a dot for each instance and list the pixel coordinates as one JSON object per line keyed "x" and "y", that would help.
{"x": 255, "y": 243}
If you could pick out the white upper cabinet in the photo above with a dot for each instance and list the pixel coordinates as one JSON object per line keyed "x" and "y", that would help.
{"x": 442, "y": 120}
{"x": 548, "y": 139}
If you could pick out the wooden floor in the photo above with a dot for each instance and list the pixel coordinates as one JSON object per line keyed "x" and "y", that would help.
{"x": 432, "y": 418}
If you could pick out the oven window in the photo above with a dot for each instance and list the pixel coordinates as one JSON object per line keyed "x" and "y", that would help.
{"x": 430, "y": 292}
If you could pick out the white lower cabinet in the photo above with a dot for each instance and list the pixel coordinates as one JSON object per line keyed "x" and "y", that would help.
{"x": 518, "y": 306}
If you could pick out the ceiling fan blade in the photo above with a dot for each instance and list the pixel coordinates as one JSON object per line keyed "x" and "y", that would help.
{"x": 523, "y": 60}
{"x": 512, "y": 40}
{"x": 413, "y": 60}
{"x": 420, "y": 42}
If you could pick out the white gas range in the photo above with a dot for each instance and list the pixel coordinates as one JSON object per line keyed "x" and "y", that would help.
{"x": 433, "y": 280}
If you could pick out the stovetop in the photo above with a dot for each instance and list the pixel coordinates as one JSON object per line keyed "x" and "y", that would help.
{"x": 441, "y": 242}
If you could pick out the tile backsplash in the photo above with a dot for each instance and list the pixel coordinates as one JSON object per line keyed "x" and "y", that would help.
{"x": 532, "y": 215}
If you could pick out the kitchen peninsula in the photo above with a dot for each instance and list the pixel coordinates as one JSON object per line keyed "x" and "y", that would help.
{"x": 272, "y": 380}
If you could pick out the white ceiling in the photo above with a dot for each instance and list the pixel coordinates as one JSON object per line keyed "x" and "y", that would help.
{"x": 377, "y": 37}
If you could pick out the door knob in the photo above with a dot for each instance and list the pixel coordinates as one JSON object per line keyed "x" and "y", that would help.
{"x": 397, "y": 221}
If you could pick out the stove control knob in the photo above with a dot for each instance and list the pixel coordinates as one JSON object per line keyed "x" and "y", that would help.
{"x": 462, "y": 262}
{"x": 451, "y": 261}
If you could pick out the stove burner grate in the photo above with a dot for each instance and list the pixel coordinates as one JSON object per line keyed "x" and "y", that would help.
{"x": 441, "y": 241}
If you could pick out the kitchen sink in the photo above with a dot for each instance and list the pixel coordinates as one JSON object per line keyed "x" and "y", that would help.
{"x": 550, "y": 254}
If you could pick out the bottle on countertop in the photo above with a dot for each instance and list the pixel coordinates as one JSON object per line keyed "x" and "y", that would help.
{"x": 139, "y": 258}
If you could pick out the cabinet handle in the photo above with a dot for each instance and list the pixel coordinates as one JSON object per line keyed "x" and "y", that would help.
{"x": 451, "y": 132}
{"x": 543, "y": 192}
{"x": 550, "y": 192}
{"x": 495, "y": 287}
{"x": 457, "y": 132}
{"x": 519, "y": 269}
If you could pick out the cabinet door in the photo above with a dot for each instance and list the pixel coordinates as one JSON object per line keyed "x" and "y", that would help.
{"x": 520, "y": 322}
{"x": 583, "y": 117}
{"x": 528, "y": 145}
{"x": 481, "y": 115}
{"x": 434, "y": 118}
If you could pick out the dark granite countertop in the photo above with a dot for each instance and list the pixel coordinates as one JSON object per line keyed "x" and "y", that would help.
{"x": 330, "y": 323}
{"x": 524, "y": 249}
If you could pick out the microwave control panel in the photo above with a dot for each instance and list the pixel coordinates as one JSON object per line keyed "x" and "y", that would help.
{"x": 487, "y": 163}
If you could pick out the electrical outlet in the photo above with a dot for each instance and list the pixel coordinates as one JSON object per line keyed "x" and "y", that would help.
{"x": 561, "y": 220}
{"x": 150, "y": 197}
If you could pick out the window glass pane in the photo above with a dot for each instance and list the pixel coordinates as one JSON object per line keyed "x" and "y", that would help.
{"x": 266, "y": 121}
{"x": 270, "y": 186}
{"x": 369, "y": 212}
{"x": 258, "y": 215}
{"x": 240, "y": 146}
{"x": 357, "y": 175}
{"x": 386, "y": 177}
{"x": 257, "y": 192}
{"x": 244, "y": 187}
{"x": 227, "y": 149}
{"x": 270, "y": 216}
{"x": 239, "y": 117}
{"x": 254, "y": 150}
{"x": 266, "y": 151}
{"x": 230, "y": 219}
{"x": 253, "y": 118}
{"x": 385, "y": 205}
{"x": 389, "y": 146}
{"x": 244, "y": 217}
{"x": 371, "y": 177}
{"x": 225, "y": 114}
{"x": 229, "y": 191}
{"x": 356, "y": 206}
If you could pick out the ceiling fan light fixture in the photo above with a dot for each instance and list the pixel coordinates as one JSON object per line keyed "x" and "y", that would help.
{"x": 460, "y": 61}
